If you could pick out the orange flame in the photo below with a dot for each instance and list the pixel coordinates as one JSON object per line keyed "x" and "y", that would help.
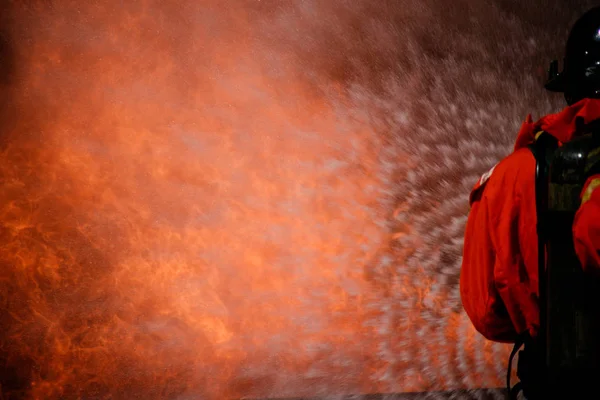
{"x": 184, "y": 215}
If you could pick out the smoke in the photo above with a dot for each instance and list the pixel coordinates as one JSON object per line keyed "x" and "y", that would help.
{"x": 252, "y": 198}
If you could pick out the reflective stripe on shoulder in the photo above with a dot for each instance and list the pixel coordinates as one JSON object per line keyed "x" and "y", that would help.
{"x": 537, "y": 135}
{"x": 479, "y": 186}
{"x": 487, "y": 175}
{"x": 593, "y": 185}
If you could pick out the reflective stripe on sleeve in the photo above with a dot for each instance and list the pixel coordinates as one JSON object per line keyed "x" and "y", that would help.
{"x": 595, "y": 183}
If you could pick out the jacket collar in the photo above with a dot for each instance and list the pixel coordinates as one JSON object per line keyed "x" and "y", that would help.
{"x": 561, "y": 125}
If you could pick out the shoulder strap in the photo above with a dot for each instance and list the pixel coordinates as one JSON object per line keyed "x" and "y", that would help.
{"x": 534, "y": 356}
{"x": 543, "y": 150}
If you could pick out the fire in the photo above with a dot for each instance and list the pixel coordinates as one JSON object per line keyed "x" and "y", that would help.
{"x": 185, "y": 215}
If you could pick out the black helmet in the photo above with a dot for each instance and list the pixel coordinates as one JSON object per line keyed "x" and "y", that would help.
{"x": 581, "y": 75}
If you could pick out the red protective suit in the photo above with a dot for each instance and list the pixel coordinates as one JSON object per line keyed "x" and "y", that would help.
{"x": 499, "y": 276}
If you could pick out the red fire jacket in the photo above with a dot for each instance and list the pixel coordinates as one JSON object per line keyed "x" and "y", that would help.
{"x": 499, "y": 275}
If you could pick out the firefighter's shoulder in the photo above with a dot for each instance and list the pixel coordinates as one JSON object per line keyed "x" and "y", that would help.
{"x": 477, "y": 190}
{"x": 510, "y": 168}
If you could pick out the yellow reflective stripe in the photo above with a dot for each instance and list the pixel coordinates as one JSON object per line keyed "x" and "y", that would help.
{"x": 537, "y": 135}
{"x": 595, "y": 183}
{"x": 593, "y": 153}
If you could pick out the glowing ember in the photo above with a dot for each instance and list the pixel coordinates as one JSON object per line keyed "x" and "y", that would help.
{"x": 208, "y": 201}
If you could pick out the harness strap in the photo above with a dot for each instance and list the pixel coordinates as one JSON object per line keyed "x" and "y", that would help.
{"x": 531, "y": 363}
{"x": 514, "y": 391}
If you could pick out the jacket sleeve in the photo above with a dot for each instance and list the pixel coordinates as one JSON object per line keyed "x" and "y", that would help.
{"x": 586, "y": 227}
{"x": 499, "y": 271}
{"x": 514, "y": 238}
{"x": 480, "y": 298}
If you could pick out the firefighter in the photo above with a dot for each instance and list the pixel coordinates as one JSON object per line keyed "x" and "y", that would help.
{"x": 499, "y": 276}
